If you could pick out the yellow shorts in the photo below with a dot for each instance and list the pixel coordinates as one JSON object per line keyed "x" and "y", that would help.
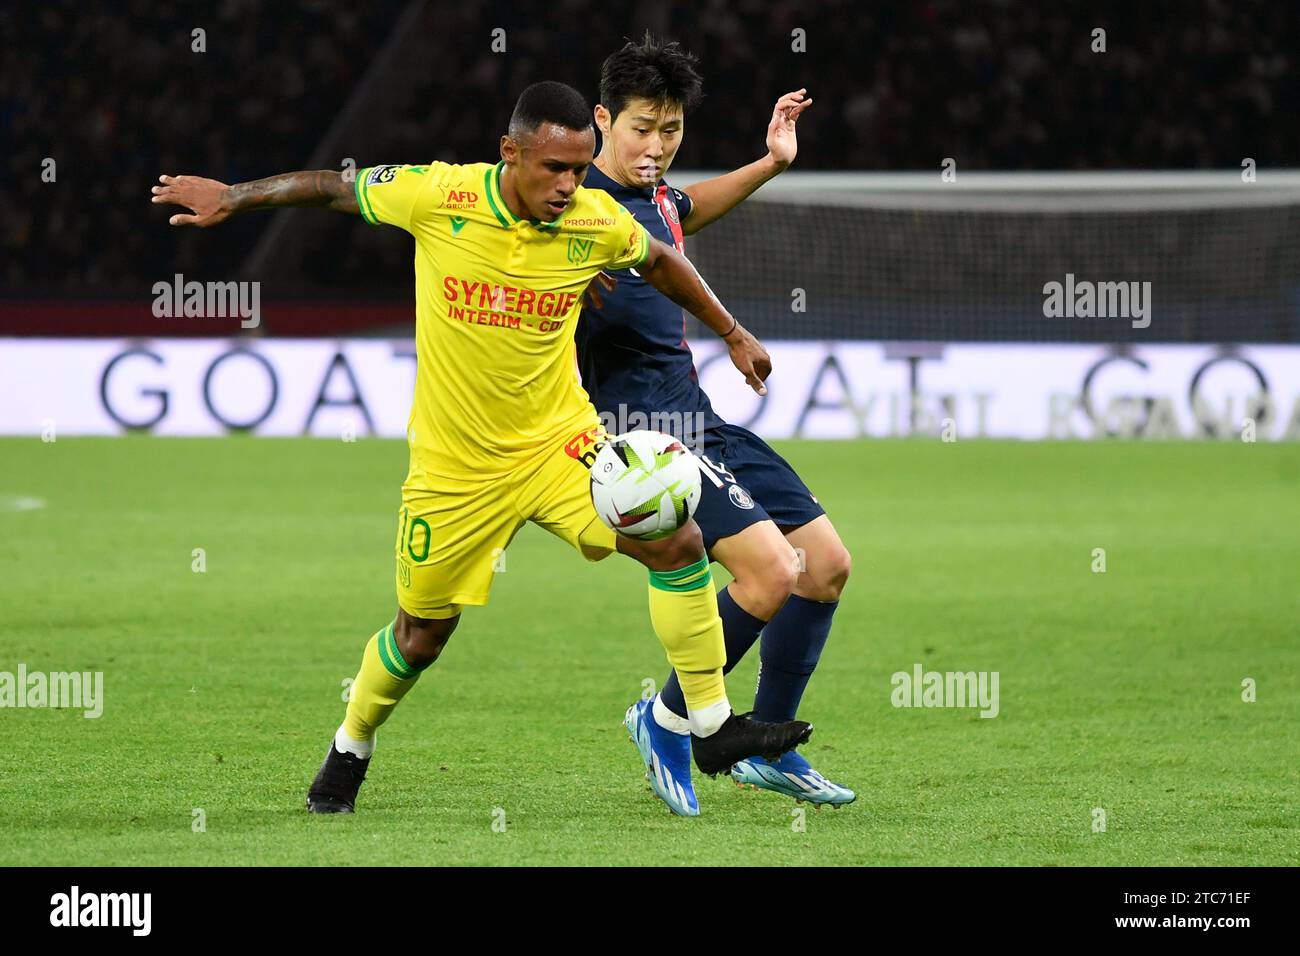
{"x": 453, "y": 533}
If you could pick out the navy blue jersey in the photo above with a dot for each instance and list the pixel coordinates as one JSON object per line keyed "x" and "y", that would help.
{"x": 632, "y": 353}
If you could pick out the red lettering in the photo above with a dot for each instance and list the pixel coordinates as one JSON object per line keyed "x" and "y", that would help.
{"x": 573, "y": 447}
{"x": 492, "y": 300}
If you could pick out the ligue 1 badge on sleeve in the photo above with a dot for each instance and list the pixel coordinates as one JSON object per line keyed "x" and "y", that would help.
{"x": 381, "y": 174}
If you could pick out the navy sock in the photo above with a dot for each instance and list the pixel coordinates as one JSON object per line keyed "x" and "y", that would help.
{"x": 792, "y": 645}
{"x": 739, "y": 631}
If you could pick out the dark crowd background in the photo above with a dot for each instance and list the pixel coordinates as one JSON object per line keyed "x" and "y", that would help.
{"x": 113, "y": 93}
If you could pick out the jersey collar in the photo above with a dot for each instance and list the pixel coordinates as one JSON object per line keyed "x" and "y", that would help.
{"x": 492, "y": 183}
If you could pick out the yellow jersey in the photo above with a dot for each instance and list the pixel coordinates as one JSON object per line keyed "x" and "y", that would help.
{"x": 496, "y": 305}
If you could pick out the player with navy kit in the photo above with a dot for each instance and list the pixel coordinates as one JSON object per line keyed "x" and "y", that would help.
{"x": 759, "y": 519}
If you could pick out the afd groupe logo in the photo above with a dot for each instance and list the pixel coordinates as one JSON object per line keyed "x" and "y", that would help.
{"x": 78, "y": 909}
{"x": 460, "y": 199}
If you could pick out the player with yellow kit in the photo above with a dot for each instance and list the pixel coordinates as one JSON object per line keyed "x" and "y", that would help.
{"x": 501, "y": 431}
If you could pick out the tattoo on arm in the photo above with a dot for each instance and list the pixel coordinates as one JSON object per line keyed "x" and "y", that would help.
{"x": 320, "y": 187}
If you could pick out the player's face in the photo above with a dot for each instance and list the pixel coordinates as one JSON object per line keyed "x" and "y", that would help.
{"x": 641, "y": 141}
{"x": 548, "y": 166}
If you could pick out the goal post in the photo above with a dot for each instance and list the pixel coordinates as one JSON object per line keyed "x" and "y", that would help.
{"x": 1115, "y": 257}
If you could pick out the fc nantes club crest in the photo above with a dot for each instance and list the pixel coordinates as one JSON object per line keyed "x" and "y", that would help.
{"x": 580, "y": 249}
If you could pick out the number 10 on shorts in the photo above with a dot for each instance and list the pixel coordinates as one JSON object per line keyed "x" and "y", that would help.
{"x": 413, "y": 538}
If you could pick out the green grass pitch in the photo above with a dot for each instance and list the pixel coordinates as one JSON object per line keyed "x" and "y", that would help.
{"x": 1119, "y": 690}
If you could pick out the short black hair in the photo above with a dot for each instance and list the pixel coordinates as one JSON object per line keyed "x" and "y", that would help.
{"x": 549, "y": 102}
{"x": 660, "y": 72}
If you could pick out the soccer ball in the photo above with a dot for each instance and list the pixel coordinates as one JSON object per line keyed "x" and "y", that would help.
{"x": 645, "y": 484}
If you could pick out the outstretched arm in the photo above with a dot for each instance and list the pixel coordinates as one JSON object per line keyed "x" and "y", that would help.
{"x": 714, "y": 198}
{"x": 672, "y": 274}
{"x": 212, "y": 202}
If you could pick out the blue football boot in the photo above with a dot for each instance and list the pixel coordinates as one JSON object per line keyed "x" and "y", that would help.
{"x": 792, "y": 776}
{"x": 667, "y": 758}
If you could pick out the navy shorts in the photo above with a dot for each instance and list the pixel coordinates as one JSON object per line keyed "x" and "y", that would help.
{"x": 743, "y": 482}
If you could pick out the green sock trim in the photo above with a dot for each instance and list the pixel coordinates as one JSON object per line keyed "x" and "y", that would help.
{"x": 690, "y": 578}
{"x": 392, "y": 657}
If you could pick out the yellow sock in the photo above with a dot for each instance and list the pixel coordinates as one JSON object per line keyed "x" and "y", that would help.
{"x": 684, "y": 613}
{"x": 383, "y": 680}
